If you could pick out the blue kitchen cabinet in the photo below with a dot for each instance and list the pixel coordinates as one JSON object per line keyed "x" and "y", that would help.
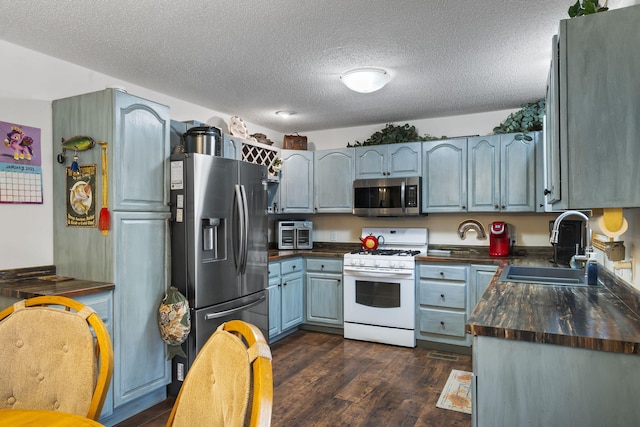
{"x": 285, "y": 296}
{"x": 389, "y": 160}
{"x": 444, "y": 176}
{"x": 333, "y": 180}
{"x": 501, "y": 174}
{"x": 296, "y": 182}
{"x": 134, "y": 254}
{"x": 324, "y": 292}
{"x": 480, "y": 277}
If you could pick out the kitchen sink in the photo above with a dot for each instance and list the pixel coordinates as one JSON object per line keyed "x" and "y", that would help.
{"x": 544, "y": 275}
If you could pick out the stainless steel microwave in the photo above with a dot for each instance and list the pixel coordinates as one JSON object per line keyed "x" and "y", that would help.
{"x": 386, "y": 196}
{"x": 295, "y": 234}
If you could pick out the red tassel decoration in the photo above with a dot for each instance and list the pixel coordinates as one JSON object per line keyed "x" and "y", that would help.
{"x": 104, "y": 220}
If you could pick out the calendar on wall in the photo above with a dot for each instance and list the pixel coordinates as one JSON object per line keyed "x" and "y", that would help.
{"x": 20, "y": 164}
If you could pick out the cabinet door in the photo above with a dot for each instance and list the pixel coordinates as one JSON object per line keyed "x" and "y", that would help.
{"x": 404, "y": 159}
{"x": 292, "y": 292}
{"x": 231, "y": 147}
{"x": 324, "y": 298}
{"x": 141, "y": 242}
{"x": 484, "y": 174}
{"x": 481, "y": 276}
{"x": 296, "y": 182}
{"x": 518, "y": 173}
{"x": 333, "y": 177}
{"x": 275, "y": 306}
{"x": 371, "y": 162}
{"x": 444, "y": 176}
{"x": 139, "y": 153}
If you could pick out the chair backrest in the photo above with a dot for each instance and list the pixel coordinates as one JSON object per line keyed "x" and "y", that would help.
{"x": 50, "y": 359}
{"x": 216, "y": 390}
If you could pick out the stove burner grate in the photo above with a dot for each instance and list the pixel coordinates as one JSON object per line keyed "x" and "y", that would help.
{"x": 398, "y": 252}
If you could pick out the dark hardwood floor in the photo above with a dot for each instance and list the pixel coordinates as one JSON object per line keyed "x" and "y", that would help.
{"x": 324, "y": 380}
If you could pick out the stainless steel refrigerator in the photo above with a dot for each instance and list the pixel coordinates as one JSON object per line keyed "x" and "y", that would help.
{"x": 218, "y": 246}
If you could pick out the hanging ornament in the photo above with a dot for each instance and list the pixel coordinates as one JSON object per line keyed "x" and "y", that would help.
{"x": 104, "y": 219}
{"x": 75, "y": 168}
{"x": 77, "y": 143}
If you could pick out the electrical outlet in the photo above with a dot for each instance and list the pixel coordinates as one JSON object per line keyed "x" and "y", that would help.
{"x": 180, "y": 371}
{"x": 334, "y": 236}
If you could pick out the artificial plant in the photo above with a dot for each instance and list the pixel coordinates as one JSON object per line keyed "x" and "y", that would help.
{"x": 587, "y": 7}
{"x": 527, "y": 119}
{"x": 392, "y": 134}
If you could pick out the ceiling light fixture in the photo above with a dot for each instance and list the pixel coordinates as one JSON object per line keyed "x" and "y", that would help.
{"x": 365, "y": 80}
{"x": 284, "y": 114}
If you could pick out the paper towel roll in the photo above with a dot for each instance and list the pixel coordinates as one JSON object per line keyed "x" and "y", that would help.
{"x": 597, "y": 225}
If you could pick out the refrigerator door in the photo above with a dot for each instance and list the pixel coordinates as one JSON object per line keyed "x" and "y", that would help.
{"x": 253, "y": 180}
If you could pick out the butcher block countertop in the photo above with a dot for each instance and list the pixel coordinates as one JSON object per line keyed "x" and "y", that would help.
{"x": 604, "y": 317}
{"x": 43, "y": 281}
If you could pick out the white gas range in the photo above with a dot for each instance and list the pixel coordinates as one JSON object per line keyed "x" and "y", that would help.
{"x": 379, "y": 287}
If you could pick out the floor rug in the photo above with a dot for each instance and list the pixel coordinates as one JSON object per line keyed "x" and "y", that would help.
{"x": 456, "y": 395}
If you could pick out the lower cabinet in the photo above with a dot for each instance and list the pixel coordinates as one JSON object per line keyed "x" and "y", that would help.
{"x": 286, "y": 288}
{"x": 480, "y": 277}
{"x": 442, "y": 304}
{"x": 324, "y": 292}
{"x": 102, "y": 304}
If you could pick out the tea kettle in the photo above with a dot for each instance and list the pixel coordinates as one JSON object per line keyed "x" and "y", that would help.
{"x": 371, "y": 242}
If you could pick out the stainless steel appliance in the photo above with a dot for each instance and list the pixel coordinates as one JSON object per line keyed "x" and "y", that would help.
{"x": 219, "y": 246}
{"x": 295, "y": 234}
{"x": 379, "y": 287}
{"x": 386, "y": 197}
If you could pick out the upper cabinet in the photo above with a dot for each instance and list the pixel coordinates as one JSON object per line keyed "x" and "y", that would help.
{"x": 333, "y": 178}
{"x": 389, "y": 161}
{"x": 502, "y": 173}
{"x": 444, "y": 176}
{"x": 296, "y": 182}
{"x": 594, "y": 112}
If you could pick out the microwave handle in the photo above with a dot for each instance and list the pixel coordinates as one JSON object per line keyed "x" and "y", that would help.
{"x": 403, "y": 189}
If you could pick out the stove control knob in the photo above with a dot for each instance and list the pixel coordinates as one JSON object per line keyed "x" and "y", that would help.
{"x": 361, "y": 262}
{"x": 393, "y": 264}
{"x": 377, "y": 263}
{"x": 401, "y": 264}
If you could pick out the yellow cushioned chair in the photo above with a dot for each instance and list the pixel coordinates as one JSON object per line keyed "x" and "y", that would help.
{"x": 50, "y": 359}
{"x": 216, "y": 391}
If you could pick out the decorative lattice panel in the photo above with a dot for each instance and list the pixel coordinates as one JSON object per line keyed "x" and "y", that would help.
{"x": 260, "y": 154}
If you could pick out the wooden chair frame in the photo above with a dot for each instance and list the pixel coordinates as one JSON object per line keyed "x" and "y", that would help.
{"x": 262, "y": 384}
{"x": 104, "y": 347}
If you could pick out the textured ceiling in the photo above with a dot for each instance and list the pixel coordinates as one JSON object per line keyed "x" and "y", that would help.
{"x": 252, "y": 58}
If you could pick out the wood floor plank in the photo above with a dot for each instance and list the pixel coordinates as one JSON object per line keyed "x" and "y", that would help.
{"x": 325, "y": 380}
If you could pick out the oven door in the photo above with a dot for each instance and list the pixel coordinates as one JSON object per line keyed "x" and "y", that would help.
{"x": 380, "y": 299}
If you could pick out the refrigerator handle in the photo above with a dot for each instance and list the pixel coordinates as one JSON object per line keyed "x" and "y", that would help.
{"x": 219, "y": 314}
{"x": 245, "y": 243}
{"x": 239, "y": 245}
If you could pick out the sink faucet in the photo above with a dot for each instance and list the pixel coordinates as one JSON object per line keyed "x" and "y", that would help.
{"x": 553, "y": 239}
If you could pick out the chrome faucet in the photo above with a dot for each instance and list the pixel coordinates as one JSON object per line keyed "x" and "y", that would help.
{"x": 553, "y": 239}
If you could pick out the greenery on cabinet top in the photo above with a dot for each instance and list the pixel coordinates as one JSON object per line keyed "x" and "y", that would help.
{"x": 527, "y": 119}
{"x": 392, "y": 134}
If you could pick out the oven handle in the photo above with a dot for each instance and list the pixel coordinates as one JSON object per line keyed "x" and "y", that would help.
{"x": 356, "y": 273}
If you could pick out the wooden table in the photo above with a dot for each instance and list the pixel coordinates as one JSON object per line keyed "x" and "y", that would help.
{"x": 32, "y": 417}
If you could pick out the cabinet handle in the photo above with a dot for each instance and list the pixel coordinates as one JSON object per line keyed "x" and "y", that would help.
{"x": 547, "y": 191}
{"x": 442, "y": 296}
{"x": 503, "y": 206}
{"x": 442, "y": 324}
{"x": 284, "y": 284}
{"x": 464, "y": 207}
{"x": 496, "y": 206}
{"x": 442, "y": 273}
{"x": 322, "y": 267}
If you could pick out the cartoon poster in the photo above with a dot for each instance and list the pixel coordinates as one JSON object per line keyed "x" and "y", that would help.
{"x": 20, "y": 164}
{"x": 81, "y": 206}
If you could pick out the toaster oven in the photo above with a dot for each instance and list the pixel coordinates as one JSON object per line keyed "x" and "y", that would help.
{"x": 295, "y": 235}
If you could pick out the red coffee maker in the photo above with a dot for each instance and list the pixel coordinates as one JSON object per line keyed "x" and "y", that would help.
{"x": 499, "y": 239}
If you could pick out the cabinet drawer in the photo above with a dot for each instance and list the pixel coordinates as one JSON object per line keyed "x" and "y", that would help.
{"x": 274, "y": 269}
{"x": 325, "y": 265}
{"x": 443, "y": 294}
{"x": 443, "y": 272}
{"x": 291, "y": 266}
{"x": 442, "y": 322}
